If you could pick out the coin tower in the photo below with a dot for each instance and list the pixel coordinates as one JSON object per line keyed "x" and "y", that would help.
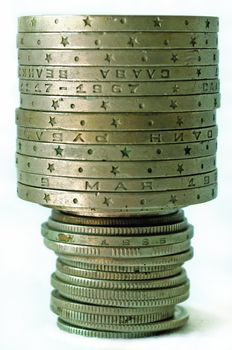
{"x": 116, "y": 132}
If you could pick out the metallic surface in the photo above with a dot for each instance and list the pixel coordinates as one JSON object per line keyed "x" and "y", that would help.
{"x": 120, "y": 23}
{"x": 116, "y": 132}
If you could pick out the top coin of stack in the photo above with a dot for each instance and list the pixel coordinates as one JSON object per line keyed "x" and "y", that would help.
{"x": 118, "y": 113}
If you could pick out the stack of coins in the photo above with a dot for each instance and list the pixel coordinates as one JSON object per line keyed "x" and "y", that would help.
{"x": 117, "y": 132}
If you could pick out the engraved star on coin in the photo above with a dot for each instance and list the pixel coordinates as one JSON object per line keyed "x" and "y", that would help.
{"x": 52, "y": 121}
{"x": 87, "y": 21}
{"x": 180, "y": 168}
{"x": 173, "y": 104}
{"x": 51, "y": 167}
{"x": 198, "y": 72}
{"x": 173, "y": 199}
{"x": 125, "y": 152}
{"x": 187, "y": 150}
{"x": 105, "y": 105}
{"x": 133, "y": 41}
{"x": 59, "y": 151}
{"x": 179, "y": 121}
{"x": 157, "y": 22}
{"x": 19, "y": 146}
{"x": 107, "y": 201}
{"x": 46, "y": 197}
{"x": 33, "y": 22}
{"x": 55, "y": 104}
{"x": 116, "y": 122}
{"x": 193, "y": 41}
{"x": 115, "y": 170}
{"x": 48, "y": 57}
{"x": 207, "y": 23}
{"x": 174, "y": 58}
{"x": 176, "y": 88}
{"x": 64, "y": 41}
{"x": 109, "y": 57}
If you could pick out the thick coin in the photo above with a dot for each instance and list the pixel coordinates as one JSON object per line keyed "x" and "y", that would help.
{"x": 115, "y": 170}
{"x": 116, "y": 122}
{"x": 82, "y": 88}
{"x": 116, "y": 40}
{"x": 108, "y": 201}
{"x": 93, "y": 104}
{"x": 60, "y": 302}
{"x": 116, "y": 152}
{"x": 114, "y": 58}
{"x": 74, "y": 291}
{"x": 120, "y": 331}
{"x": 117, "y": 74}
{"x": 98, "y": 228}
{"x": 116, "y": 252}
{"x": 118, "y": 139}
{"x": 123, "y": 285}
{"x": 112, "y": 319}
{"x": 127, "y": 185}
{"x": 97, "y": 23}
{"x": 106, "y": 241}
{"x": 116, "y": 276}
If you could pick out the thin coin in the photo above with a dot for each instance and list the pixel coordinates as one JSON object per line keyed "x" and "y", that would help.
{"x": 116, "y": 252}
{"x": 96, "y": 226}
{"x": 116, "y": 122}
{"x": 120, "y": 331}
{"x": 127, "y": 265}
{"x": 106, "y": 241}
{"x": 73, "y": 291}
{"x": 127, "y": 185}
{"x": 123, "y": 285}
{"x": 116, "y": 138}
{"x": 116, "y": 276}
{"x": 117, "y": 74}
{"x": 107, "y": 104}
{"x": 61, "y": 302}
{"x": 115, "y": 170}
{"x": 168, "y": 220}
{"x": 112, "y": 319}
{"x": 129, "y": 89}
{"x": 97, "y": 23}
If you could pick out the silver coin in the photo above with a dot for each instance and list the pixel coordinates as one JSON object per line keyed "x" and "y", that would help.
{"x": 110, "y": 104}
{"x": 116, "y": 40}
{"x": 117, "y": 74}
{"x": 120, "y": 121}
{"x": 123, "y": 285}
{"x": 116, "y": 241}
{"x": 117, "y": 276}
{"x": 95, "y": 23}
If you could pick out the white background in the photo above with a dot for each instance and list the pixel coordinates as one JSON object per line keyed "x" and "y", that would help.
{"x": 25, "y": 320}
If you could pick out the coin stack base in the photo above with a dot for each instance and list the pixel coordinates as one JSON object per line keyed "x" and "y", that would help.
{"x": 119, "y": 277}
